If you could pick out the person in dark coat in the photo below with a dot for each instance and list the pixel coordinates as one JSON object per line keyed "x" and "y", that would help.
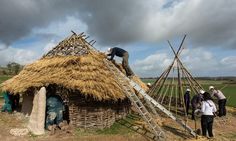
{"x": 115, "y": 51}
{"x": 54, "y": 111}
{"x": 196, "y": 102}
{"x": 187, "y": 100}
{"x": 208, "y": 110}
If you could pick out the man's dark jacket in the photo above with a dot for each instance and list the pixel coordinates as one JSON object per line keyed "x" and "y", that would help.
{"x": 117, "y": 51}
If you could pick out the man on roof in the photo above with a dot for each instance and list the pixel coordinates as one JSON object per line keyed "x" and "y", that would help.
{"x": 221, "y": 100}
{"x": 115, "y": 51}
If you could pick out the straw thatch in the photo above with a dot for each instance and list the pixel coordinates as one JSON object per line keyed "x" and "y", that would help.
{"x": 73, "y": 65}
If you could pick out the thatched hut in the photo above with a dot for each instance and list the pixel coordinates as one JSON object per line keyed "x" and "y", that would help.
{"x": 77, "y": 73}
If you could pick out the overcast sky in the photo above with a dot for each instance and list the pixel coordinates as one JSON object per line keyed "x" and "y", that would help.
{"x": 29, "y": 28}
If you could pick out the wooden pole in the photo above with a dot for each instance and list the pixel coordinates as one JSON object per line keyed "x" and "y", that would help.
{"x": 167, "y": 89}
{"x": 172, "y": 88}
{"x": 179, "y": 82}
{"x": 161, "y": 93}
{"x": 177, "y": 57}
{"x": 176, "y": 102}
{"x": 151, "y": 92}
{"x": 73, "y": 32}
{"x": 190, "y": 82}
{"x": 200, "y": 87}
{"x": 156, "y": 83}
{"x": 166, "y": 76}
{"x": 177, "y": 61}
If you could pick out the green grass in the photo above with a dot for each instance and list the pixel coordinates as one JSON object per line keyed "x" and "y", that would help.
{"x": 4, "y": 78}
{"x": 229, "y": 90}
{"x": 115, "y": 129}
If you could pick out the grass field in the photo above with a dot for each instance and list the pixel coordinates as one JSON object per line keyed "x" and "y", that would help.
{"x": 4, "y": 78}
{"x": 228, "y": 89}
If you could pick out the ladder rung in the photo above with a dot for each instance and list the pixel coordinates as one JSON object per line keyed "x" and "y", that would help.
{"x": 145, "y": 113}
{"x": 148, "y": 117}
{"x": 141, "y": 107}
{"x": 132, "y": 94}
{"x": 154, "y": 127}
{"x": 129, "y": 90}
{"x": 149, "y": 120}
{"x": 135, "y": 101}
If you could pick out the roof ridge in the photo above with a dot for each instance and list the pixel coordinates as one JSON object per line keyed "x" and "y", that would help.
{"x": 74, "y": 45}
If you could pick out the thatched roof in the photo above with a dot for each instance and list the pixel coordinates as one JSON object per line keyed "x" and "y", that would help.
{"x": 83, "y": 70}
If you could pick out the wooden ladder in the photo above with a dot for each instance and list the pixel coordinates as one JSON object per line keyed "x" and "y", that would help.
{"x": 138, "y": 104}
{"x": 147, "y": 117}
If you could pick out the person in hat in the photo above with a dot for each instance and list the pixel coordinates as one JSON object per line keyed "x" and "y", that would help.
{"x": 187, "y": 100}
{"x": 196, "y": 102}
{"x": 208, "y": 110}
{"x": 115, "y": 51}
{"x": 149, "y": 85}
{"x": 221, "y": 100}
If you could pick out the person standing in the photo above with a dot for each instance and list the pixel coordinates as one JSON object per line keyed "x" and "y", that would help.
{"x": 7, "y": 107}
{"x": 208, "y": 110}
{"x": 196, "y": 102}
{"x": 187, "y": 100}
{"x": 121, "y": 53}
{"x": 221, "y": 100}
{"x": 54, "y": 112}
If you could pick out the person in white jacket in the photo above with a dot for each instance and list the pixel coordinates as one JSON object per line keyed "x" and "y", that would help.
{"x": 221, "y": 100}
{"x": 208, "y": 110}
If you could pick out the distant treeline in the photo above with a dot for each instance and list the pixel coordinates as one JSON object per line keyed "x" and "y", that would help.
{"x": 227, "y": 78}
{"x": 11, "y": 68}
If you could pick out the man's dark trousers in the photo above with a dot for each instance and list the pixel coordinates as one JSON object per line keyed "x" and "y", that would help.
{"x": 207, "y": 123}
{"x": 222, "y": 109}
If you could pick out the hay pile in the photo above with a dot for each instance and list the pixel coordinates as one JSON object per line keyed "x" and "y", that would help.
{"x": 19, "y": 132}
{"x": 82, "y": 70}
{"x": 135, "y": 78}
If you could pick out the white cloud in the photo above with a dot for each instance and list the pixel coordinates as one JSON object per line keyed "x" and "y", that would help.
{"x": 230, "y": 60}
{"x": 152, "y": 65}
{"x": 62, "y": 28}
{"x": 21, "y": 56}
{"x": 228, "y": 64}
{"x": 206, "y": 22}
{"x": 198, "y": 61}
{"x": 49, "y": 46}
{"x": 2, "y": 46}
